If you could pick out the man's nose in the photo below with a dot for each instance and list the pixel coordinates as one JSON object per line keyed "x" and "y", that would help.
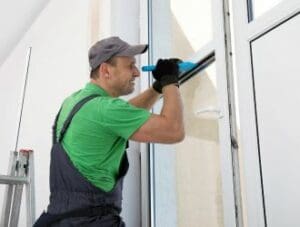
{"x": 136, "y": 72}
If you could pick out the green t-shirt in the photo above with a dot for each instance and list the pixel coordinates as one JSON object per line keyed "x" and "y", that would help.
{"x": 96, "y": 139}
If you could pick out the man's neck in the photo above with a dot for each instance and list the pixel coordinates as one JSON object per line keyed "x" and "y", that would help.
{"x": 104, "y": 87}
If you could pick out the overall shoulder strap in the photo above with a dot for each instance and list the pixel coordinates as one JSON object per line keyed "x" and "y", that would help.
{"x": 70, "y": 117}
{"x": 54, "y": 127}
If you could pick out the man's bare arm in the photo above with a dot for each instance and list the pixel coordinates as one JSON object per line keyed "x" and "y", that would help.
{"x": 168, "y": 126}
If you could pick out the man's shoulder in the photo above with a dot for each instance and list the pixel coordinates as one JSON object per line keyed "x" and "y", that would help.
{"x": 112, "y": 101}
{"x": 72, "y": 97}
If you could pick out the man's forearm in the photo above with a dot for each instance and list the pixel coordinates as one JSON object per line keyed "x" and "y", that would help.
{"x": 173, "y": 108}
{"x": 146, "y": 99}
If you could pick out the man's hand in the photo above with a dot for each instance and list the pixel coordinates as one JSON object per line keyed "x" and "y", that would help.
{"x": 157, "y": 86}
{"x": 166, "y": 72}
{"x": 168, "y": 126}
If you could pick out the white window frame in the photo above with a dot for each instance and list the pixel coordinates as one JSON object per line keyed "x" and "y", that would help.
{"x": 227, "y": 124}
{"x": 245, "y": 32}
{"x": 145, "y": 82}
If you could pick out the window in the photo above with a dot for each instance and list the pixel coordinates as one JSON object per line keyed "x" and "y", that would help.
{"x": 186, "y": 188}
{"x": 197, "y": 161}
{"x": 259, "y": 7}
{"x": 187, "y": 175}
{"x": 174, "y": 32}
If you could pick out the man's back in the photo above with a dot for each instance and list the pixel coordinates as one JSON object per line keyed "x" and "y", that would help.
{"x": 96, "y": 139}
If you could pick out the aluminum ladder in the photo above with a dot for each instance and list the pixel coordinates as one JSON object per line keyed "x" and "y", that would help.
{"x": 20, "y": 173}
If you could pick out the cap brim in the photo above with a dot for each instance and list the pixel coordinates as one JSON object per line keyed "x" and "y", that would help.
{"x": 133, "y": 50}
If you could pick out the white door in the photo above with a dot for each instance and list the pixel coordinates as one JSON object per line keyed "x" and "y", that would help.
{"x": 267, "y": 70}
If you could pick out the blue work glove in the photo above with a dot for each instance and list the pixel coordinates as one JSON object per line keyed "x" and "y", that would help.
{"x": 166, "y": 72}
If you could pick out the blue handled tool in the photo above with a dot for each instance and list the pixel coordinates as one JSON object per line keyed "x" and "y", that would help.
{"x": 183, "y": 66}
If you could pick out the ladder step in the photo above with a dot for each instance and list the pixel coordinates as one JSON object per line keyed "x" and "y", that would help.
{"x": 13, "y": 180}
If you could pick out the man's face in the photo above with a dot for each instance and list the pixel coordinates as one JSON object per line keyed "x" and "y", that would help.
{"x": 123, "y": 73}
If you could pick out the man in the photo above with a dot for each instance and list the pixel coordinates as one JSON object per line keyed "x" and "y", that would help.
{"x": 88, "y": 157}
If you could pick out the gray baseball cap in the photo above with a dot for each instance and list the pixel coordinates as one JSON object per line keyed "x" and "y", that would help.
{"x": 110, "y": 47}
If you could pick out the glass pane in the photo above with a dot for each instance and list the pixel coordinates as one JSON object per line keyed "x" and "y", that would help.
{"x": 261, "y": 6}
{"x": 188, "y": 175}
{"x": 180, "y": 28}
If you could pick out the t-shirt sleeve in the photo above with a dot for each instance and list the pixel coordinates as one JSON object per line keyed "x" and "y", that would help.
{"x": 122, "y": 118}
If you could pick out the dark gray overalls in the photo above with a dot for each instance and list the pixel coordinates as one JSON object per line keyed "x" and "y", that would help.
{"x": 74, "y": 201}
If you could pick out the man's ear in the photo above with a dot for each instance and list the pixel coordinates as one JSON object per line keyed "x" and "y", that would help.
{"x": 104, "y": 70}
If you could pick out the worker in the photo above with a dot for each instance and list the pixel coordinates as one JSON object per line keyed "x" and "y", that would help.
{"x": 91, "y": 130}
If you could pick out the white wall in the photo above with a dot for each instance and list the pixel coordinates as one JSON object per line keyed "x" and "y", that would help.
{"x": 59, "y": 41}
{"x": 60, "y": 38}
{"x": 13, "y": 27}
